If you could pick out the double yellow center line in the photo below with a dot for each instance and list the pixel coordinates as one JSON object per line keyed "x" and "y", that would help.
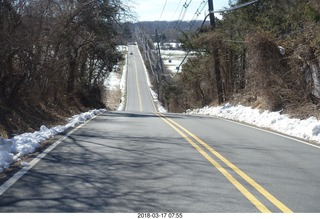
{"x": 137, "y": 84}
{"x": 196, "y": 142}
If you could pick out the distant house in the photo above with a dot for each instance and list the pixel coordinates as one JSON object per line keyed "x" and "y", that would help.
{"x": 171, "y": 46}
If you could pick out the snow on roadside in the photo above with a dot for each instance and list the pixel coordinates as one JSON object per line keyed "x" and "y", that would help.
{"x": 112, "y": 82}
{"x": 12, "y": 150}
{"x": 160, "y": 108}
{"x": 122, "y": 83}
{"x": 308, "y": 129}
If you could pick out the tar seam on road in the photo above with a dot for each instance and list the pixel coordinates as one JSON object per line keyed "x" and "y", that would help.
{"x": 5, "y": 186}
{"x": 244, "y": 176}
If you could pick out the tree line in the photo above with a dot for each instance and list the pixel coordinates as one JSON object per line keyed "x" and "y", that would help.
{"x": 268, "y": 56}
{"x": 55, "y": 53}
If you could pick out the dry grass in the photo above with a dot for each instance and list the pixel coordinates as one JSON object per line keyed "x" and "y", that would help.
{"x": 112, "y": 99}
{"x": 29, "y": 117}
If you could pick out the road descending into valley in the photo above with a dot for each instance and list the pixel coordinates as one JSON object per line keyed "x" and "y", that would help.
{"x": 139, "y": 160}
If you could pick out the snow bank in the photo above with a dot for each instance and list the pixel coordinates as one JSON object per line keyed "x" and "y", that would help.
{"x": 160, "y": 108}
{"x": 113, "y": 82}
{"x": 11, "y": 150}
{"x": 308, "y": 129}
{"x": 123, "y": 86}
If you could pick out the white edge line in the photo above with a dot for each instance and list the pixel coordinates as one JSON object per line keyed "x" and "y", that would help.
{"x": 258, "y": 128}
{"x": 5, "y": 186}
{"x": 153, "y": 100}
{"x": 269, "y": 131}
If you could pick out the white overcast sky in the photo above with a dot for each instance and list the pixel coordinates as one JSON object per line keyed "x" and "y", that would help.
{"x": 150, "y": 10}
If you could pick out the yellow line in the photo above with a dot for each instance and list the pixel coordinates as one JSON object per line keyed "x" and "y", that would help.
{"x": 258, "y": 187}
{"x": 138, "y": 87}
{"x": 235, "y": 182}
{"x": 151, "y": 97}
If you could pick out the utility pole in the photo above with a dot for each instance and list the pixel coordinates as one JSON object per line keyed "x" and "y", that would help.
{"x": 160, "y": 59}
{"x": 211, "y": 14}
{"x": 216, "y": 56}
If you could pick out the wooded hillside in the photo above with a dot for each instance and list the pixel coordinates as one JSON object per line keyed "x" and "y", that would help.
{"x": 54, "y": 55}
{"x": 267, "y": 56}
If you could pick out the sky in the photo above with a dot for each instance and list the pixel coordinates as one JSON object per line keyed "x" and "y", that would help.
{"x": 151, "y": 10}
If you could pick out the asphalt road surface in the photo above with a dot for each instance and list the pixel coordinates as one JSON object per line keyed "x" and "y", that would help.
{"x": 139, "y": 160}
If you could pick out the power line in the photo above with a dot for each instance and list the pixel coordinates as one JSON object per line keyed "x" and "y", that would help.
{"x": 169, "y": 22}
{"x": 218, "y": 11}
{"x": 164, "y": 6}
{"x": 183, "y": 13}
{"x": 197, "y": 14}
{"x": 159, "y": 38}
{"x": 199, "y": 9}
{"x": 146, "y": 50}
{"x": 235, "y": 7}
{"x": 229, "y": 9}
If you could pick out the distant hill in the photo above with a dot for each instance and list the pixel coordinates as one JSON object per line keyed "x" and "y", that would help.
{"x": 170, "y": 30}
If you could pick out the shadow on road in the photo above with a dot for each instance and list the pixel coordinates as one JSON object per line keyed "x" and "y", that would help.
{"x": 112, "y": 170}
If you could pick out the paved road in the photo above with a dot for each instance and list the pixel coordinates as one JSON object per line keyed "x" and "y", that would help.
{"x": 139, "y": 98}
{"x": 141, "y": 161}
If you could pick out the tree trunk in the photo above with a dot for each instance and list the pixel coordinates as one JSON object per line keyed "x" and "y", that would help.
{"x": 218, "y": 75}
